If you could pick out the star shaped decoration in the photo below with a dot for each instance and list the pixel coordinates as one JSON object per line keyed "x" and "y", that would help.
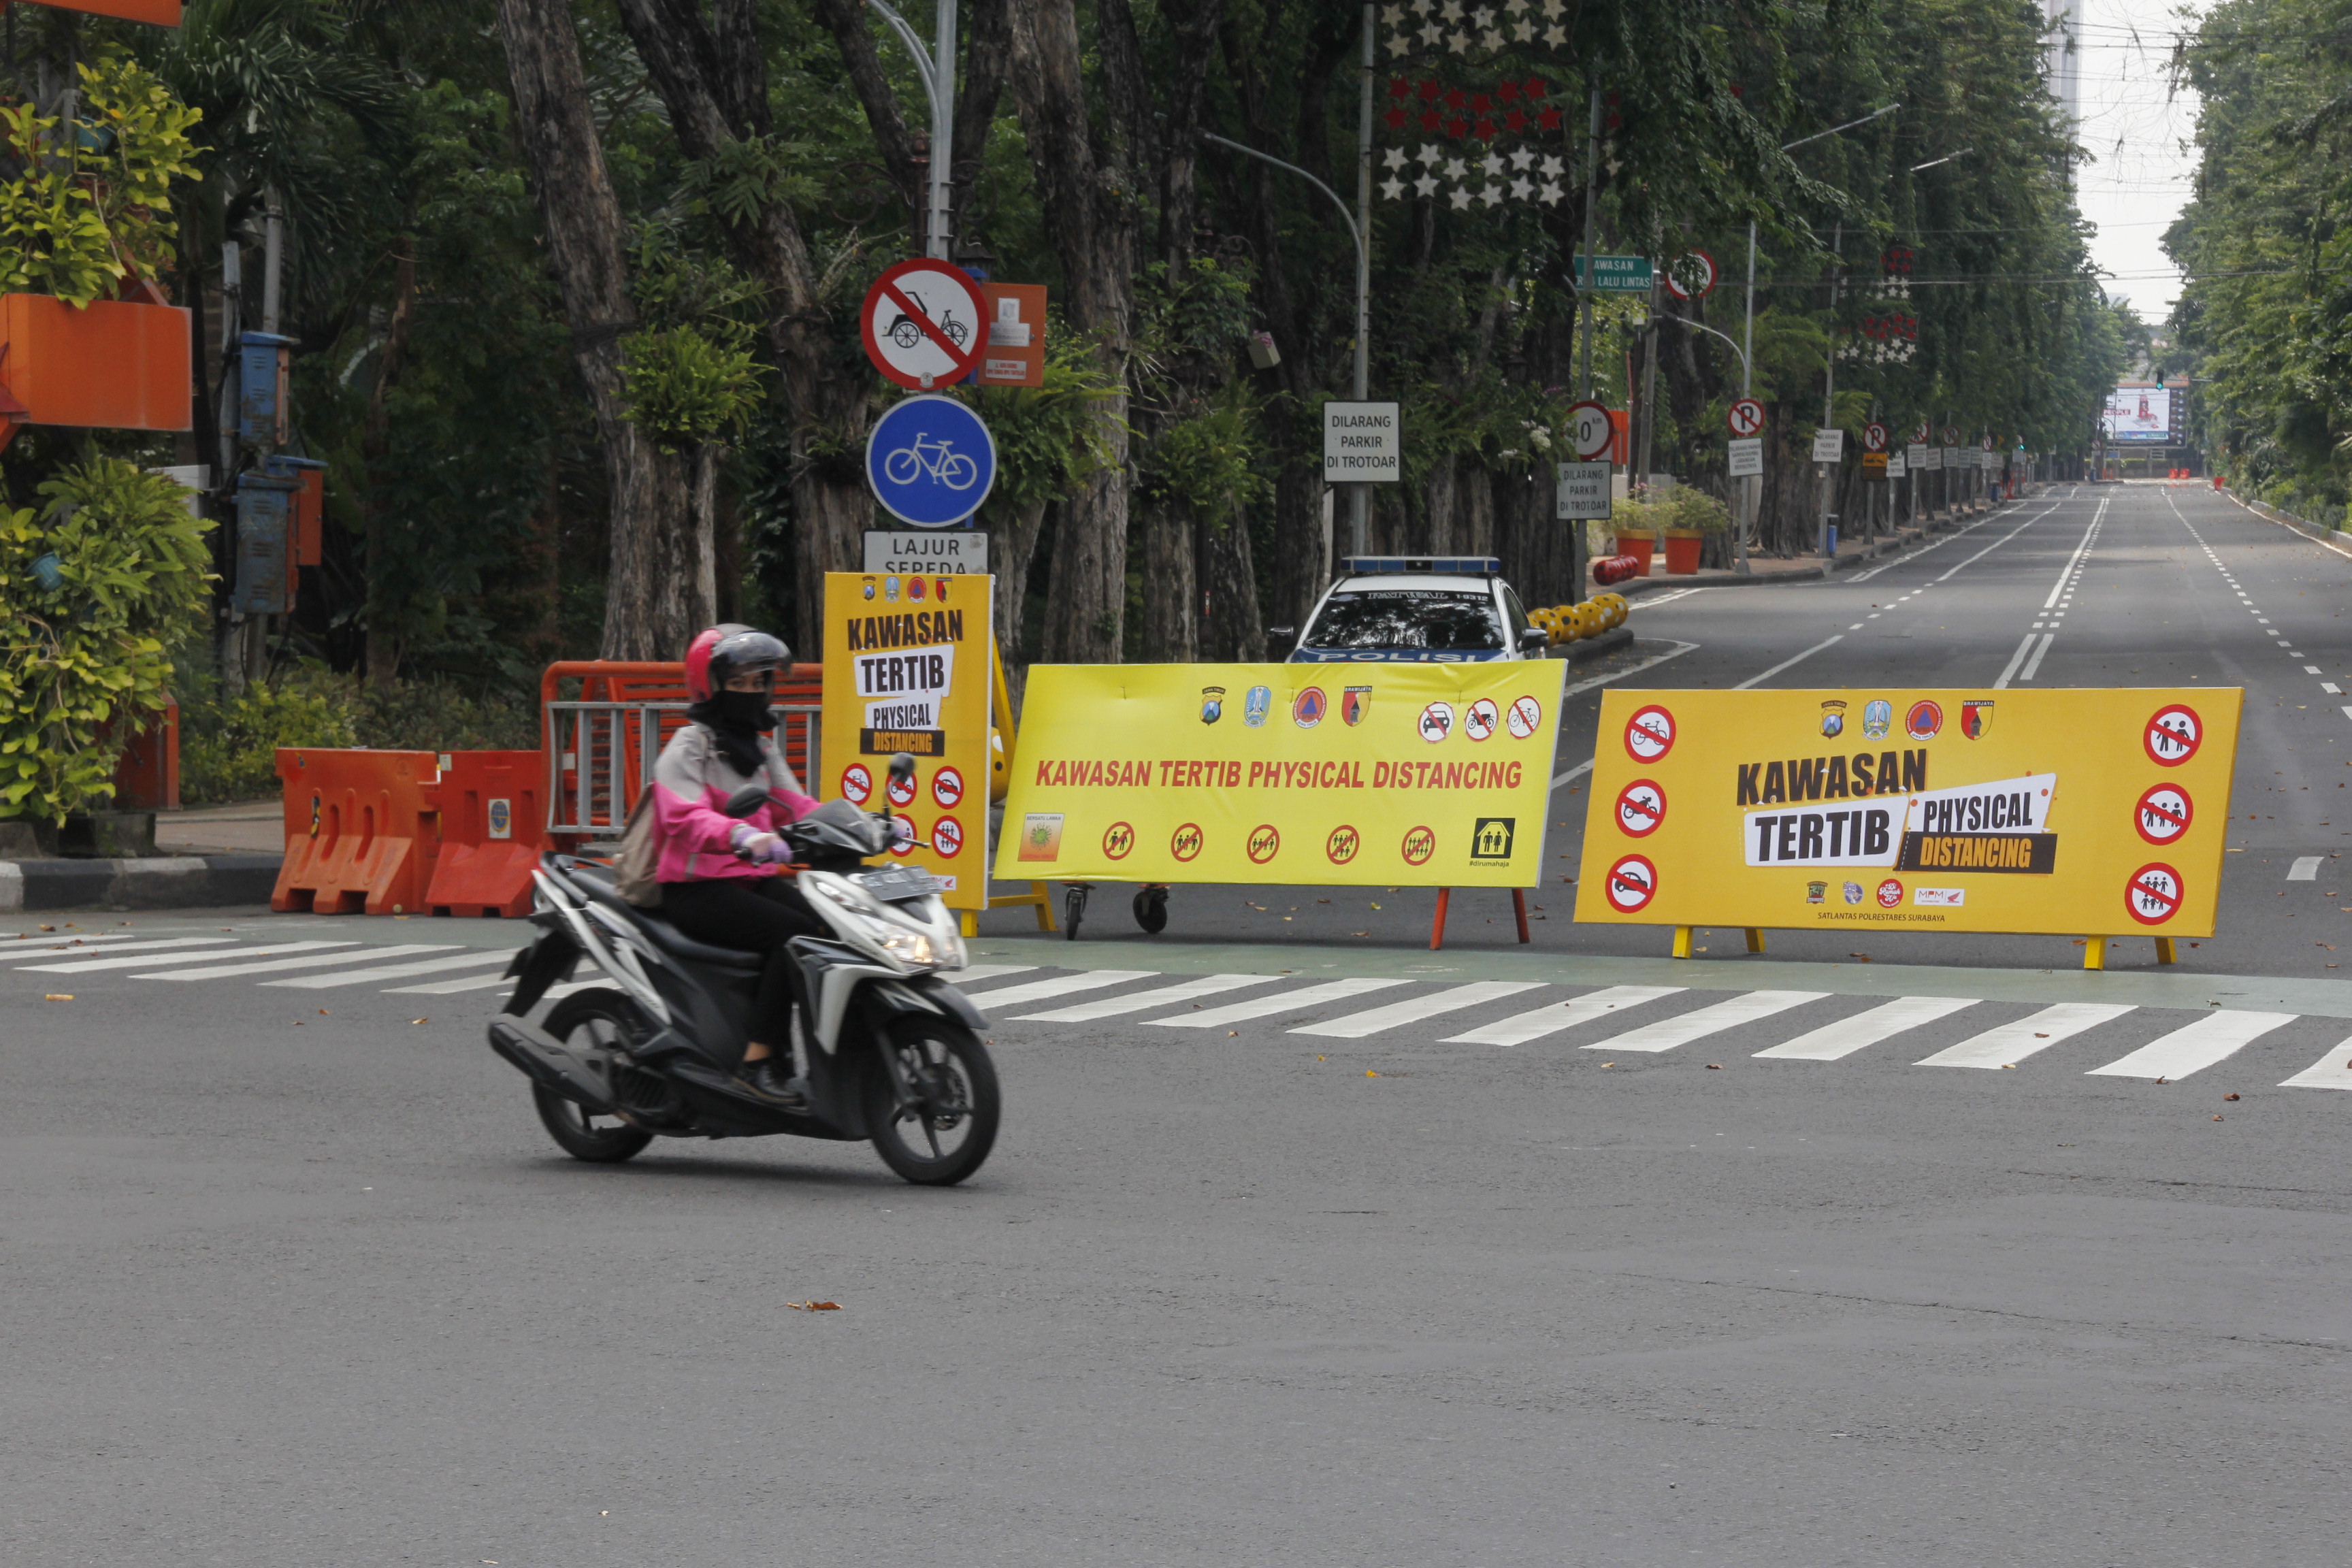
{"x": 1516, "y": 121}
{"x": 1485, "y": 131}
{"x": 1426, "y": 184}
{"x": 1391, "y": 16}
{"x": 1431, "y": 154}
{"x": 1450, "y": 10}
{"x": 1399, "y": 88}
{"x": 1534, "y": 87}
{"x": 1460, "y": 198}
{"x": 1430, "y": 33}
{"x": 1520, "y": 189}
{"x": 1549, "y": 119}
{"x": 1525, "y": 30}
{"x": 1400, "y": 43}
{"x": 1555, "y": 35}
{"x": 1552, "y": 168}
{"x": 1493, "y": 38}
{"x": 1391, "y": 187}
{"x": 1550, "y": 194}
{"x": 1515, "y": 6}
{"x": 1492, "y": 162}
{"x": 1394, "y": 118}
{"x": 1523, "y": 158}
{"x": 1424, "y": 8}
{"x": 1457, "y": 42}
{"x": 1457, "y": 170}
{"x": 1394, "y": 158}
{"x": 1428, "y": 92}
{"x": 1481, "y": 17}
{"x": 1552, "y": 8}
{"x": 1492, "y": 195}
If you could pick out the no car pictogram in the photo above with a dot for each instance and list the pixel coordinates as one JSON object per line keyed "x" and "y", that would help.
{"x": 1633, "y": 883}
{"x": 2153, "y": 895}
{"x": 2164, "y": 814}
{"x": 2173, "y": 734}
{"x": 1641, "y": 807}
{"x": 1650, "y": 733}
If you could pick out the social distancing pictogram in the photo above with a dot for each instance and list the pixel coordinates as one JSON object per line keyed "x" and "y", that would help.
{"x": 2163, "y": 814}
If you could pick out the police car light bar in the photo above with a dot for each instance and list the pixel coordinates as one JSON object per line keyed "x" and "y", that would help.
{"x": 1455, "y": 565}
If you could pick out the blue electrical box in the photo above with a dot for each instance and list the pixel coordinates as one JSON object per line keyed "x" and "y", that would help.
{"x": 264, "y": 566}
{"x": 261, "y": 389}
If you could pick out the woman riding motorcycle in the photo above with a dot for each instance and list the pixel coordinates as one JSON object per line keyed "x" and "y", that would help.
{"x": 716, "y": 873}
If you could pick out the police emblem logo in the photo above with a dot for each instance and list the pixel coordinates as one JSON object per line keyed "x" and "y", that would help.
{"x": 1213, "y": 704}
{"x": 1833, "y": 718}
{"x": 1256, "y": 705}
{"x": 1355, "y": 702}
{"x": 1976, "y": 718}
{"x": 869, "y": 587}
{"x": 1877, "y": 719}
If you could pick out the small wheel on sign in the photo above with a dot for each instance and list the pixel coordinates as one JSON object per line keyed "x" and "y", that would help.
{"x": 1074, "y": 909}
{"x": 1152, "y": 909}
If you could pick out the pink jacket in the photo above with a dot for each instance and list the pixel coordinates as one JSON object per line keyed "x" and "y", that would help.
{"x": 691, "y": 782}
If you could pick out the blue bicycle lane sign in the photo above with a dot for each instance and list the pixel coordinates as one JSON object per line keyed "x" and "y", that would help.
{"x": 931, "y": 460}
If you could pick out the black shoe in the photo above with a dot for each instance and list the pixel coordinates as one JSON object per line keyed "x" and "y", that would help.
{"x": 766, "y": 1079}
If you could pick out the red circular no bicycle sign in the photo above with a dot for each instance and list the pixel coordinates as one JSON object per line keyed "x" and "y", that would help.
{"x": 921, "y": 323}
{"x": 2163, "y": 814}
{"x": 2153, "y": 895}
{"x": 1650, "y": 733}
{"x": 1746, "y": 417}
{"x": 1641, "y": 807}
{"x": 2173, "y": 735}
{"x": 1633, "y": 883}
{"x": 857, "y": 783}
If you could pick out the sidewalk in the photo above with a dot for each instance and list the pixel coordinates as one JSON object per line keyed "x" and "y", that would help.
{"x": 1852, "y": 553}
{"x": 237, "y": 827}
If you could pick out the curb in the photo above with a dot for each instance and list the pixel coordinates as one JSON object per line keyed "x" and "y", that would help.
{"x": 2323, "y": 537}
{"x": 1586, "y": 649}
{"x": 1808, "y": 575}
{"x": 170, "y": 882}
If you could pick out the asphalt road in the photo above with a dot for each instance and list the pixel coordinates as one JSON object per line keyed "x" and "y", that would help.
{"x": 1345, "y": 1253}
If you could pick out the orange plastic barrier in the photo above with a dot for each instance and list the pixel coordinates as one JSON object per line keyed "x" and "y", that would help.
{"x": 362, "y": 830}
{"x": 493, "y": 831}
{"x": 621, "y": 680}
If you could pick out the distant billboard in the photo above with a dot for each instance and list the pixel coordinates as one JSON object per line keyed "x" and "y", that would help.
{"x": 2142, "y": 416}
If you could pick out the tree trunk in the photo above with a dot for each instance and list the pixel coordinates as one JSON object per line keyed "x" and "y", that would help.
{"x": 1012, "y": 539}
{"x": 382, "y": 655}
{"x": 586, "y": 243}
{"x": 1087, "y": 198}
{"x": 1236, "y": 627}
{"x": 1169, "y": 594}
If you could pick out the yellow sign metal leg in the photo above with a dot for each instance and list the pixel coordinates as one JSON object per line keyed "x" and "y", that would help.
{"x": 1682, "y": 942}
{"x": 2095, "y": 952}
{"x": 1755, "y": 940}
{"x": 2164, "y": 952}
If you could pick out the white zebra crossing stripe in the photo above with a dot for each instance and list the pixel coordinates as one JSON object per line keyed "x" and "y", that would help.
{"x": 1289, "y": 1002}
{"x": 451, "y": 987}
{"x": 84, "y": 966}
{"x": 1667, "y": 1033}
{"x": 2195, "y": 1045}
{"x": 1060, "y": 986}
{"x": 270, "y": 966}
{"x": 394, "y": 971}
{"x": 980, "y": 972}
{"x": 1142, "y": 1000}
{"x": 1412, "y": 1009}
{"x": 2305, "y": 869}
{"x": 149, "y": 946}
{"x": 46, "y": 944}
{"x": 2008, "y": 1044}
{"x": 1521, "y": 1028}
{"x": 2333, "y": 1070}
{"x": 1834, "y": 1042}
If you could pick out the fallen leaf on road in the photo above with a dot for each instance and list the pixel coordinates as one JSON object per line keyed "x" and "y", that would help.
{"x": 2229, "y": 1097}
{"x": 1376, "y": 906}
{"x": 2217, "y": 1119}
{"x": 2009, "y": 1066}
{"x": 420, "y": 1020}
{"x": 1370, "y": 1073}
{"x": 1715, "y": 1067}
{"x": 322, "y": 1012}
{"x": 48, "y": 928}
{"x": 1232, "y": 1033}
{"x": 58, "y": 996}
{"x": 2041, "y": 1036}
{"x": 814, "y": 1306}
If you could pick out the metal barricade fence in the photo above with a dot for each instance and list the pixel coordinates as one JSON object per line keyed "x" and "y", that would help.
{"x": 601, "y": 756}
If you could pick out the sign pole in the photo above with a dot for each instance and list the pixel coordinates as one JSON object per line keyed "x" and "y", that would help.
{"x": 935, "y": 69}
{"x": 1750, "y": 489}
{"x": 1360, "y": 496}
{"x": 1591, "y": 269}
{"x": 1829, "y": 383}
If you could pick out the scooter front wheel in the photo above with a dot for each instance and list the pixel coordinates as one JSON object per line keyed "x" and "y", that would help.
{"x": 943, "y": 1131}
{"x": 589, "y": 1022}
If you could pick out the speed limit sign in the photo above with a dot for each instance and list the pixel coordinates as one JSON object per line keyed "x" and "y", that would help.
{"x": 1589, "y": 431}
{"x": 1746, "y": 417}
{"x": 1691, "y": 276}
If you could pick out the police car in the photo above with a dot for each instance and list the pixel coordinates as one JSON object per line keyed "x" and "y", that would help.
{"x": 1417, "y": 609}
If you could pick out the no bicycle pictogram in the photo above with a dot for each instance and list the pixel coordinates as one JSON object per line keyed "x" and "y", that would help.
{"x": 1641, "y": 807}
{"x": 1524, "y": 717}
{"x": 2173, "y": 735}
{"x": 1650, "y": 733}
{"x": 2153, "y": 895}
{"x": 2164, "y": 814}
{"x": 1633, "y": 883}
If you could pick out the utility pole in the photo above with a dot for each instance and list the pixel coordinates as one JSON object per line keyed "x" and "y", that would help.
{"x": 935, "y": 69}
{"x": 1591, "y": 185}
{"x": 1829, "y": 386}
{"x": 1751, "y": 488}
{"x": 1359, "y": 499}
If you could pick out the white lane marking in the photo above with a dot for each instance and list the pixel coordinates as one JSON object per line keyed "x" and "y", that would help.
{"x": 1651, "y": 601}
{"x": 568, "y": 986}
{"x": 2330, "y": 687}
{"x": 2195, "y": 1045}
{"x": 1261, "y": 1006}
{"x": 309, "y": 961}
{"x": 2305, "y": 868}
{"x": 2347, "y": 712}
{"x": 1668, "y": 1032}
{"x": 2033, "y": 665}
{"x": 2333, "y": 1070}
{"x": 2016, "y": 659}
{"x": 1997, "y": 543}
{"x": 1138, "y": 1001}
{"x": 2072, "y": 561}
{"x": 1577, "y": 772}
{"x": 2012, "y": 1043}
{"x": 1522, "y": 1027}
{"x": 1060, "y": 986}
{"x": 2311, "y": 670}
{"x": 114, "y": 946}
{"x": 1656, "y": 658}
{"x": 1785, "y": 663}
{"x": 988, "y": 971}
{"x": 1412, "y": 1009}
{"x": 393, "y": 971}
{"x": 85, "y": 966}
{"x": 48, "y": 943}
{"x": 1834, "y": 1042}
{"x": 451, "y": 987}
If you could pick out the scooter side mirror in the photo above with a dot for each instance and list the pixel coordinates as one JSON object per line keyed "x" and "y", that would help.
{"x": 902, "y": 766}
{"x": 746, "y": 801}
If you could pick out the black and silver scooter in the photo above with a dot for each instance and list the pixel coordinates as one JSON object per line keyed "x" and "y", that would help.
{"x": 888, "y": 1049}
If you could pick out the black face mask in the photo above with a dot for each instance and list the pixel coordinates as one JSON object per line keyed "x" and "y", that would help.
{"x": 735, "y": 719}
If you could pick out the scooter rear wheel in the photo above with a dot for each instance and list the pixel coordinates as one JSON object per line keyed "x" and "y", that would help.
{"x": 947, "y": 1137}
{"x": 588, "y": 1021}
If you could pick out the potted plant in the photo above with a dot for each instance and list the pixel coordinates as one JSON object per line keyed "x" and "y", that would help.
{"x": 1689, "y": 515}
{"x": 1637, "y": 522}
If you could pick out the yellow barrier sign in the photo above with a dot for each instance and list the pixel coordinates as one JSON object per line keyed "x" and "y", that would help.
{"x": 907, "y": 662}
{"x": 2097, "y": 811}
{"x": 1436, "y": 774}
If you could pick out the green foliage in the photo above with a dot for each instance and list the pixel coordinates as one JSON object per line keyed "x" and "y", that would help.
{"x": 228, "y": 747}
{"x": 686, "y": 390}
{"x": 1046, "y": 440}
{"x": 131, "y": 563}
{"x": 141, "y": 130}
{"x": 54, "y": 238}
{"x": 1211, "y": 458}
